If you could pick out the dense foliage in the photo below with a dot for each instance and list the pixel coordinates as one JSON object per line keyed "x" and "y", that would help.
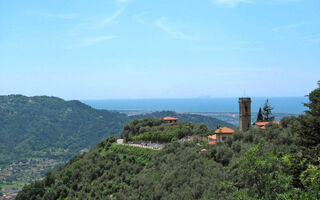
{"x": 51, "y": 127}
{"x": 105, "y": 170}
{"x": 280, "y": 162}
{"x": 211, "y": 122}
{"x": 157, "y": 130}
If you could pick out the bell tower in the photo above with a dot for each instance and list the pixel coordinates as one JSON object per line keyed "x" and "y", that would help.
{"x": 244, "y": 113}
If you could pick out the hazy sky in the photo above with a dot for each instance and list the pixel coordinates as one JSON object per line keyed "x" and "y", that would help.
{"x": 81, "y": 49}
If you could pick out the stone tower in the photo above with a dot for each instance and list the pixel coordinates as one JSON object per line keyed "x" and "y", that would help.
{"x": 244, "y": 113}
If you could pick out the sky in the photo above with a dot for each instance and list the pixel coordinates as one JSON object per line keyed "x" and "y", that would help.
{"x": 129, "y": 49}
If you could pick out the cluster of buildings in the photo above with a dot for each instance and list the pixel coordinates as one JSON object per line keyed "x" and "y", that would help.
{"x": 221, "y": 134}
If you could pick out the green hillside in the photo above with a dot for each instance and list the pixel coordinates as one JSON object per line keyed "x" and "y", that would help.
{"x": 51, "y": 127}
{"x": 105, "y": 170}
{"x": 280, "y": 162}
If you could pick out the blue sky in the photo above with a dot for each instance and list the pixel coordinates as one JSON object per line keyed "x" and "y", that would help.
{"x": 111, "y": 49}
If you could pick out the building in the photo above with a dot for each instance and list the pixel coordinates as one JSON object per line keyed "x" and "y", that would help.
{"x": 262, "y": 125}
{"x": 220, "y": 135}
{"x": 171, "y": 120}
{"x": 244, "y": 113}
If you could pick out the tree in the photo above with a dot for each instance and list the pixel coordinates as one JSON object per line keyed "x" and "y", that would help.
{"x": 267, "y": 114}
{"x": 260, "y": 117}
{"x": 309, "y": 132}
{"x": 261, "y": 171}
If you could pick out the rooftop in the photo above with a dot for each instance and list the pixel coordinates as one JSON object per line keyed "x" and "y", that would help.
{"x": 169, "y": 118}
{"x": 224, "y": 130}
{"x": 262, "y": 125}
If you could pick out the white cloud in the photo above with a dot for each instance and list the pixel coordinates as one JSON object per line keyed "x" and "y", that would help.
{"x": 160, "y": 23}
{"x": 122, "y": 1}
{"x": 113, "y": 17}
{"x": 60, "y": 16}
{"x": 226, "y": 49}
{"x": 96, "y": 40}
{"x": 286, "y": 27}
{"x": 230, "y": 3}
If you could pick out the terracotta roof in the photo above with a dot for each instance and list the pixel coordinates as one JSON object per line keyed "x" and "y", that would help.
{"x": 169, "y": 118}
{"x": 212, "y": 137}
{"x": 224, "y": 130}
{"x": 262, "y": 125}
{"x": 212, "y": 142}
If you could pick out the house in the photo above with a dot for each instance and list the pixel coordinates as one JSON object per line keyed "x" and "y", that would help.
{"x": 171, "y": 120}
{"x": 220, "y": 135}
{"x": 262, "y": 125}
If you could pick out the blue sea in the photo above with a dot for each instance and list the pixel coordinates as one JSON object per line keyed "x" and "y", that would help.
{"x": 280, "y": 104}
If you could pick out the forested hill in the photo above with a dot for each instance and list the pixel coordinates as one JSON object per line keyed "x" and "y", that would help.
{"x": 51, "y": 127}
{"x": 196, "y": 119}
{"x": 276, "y": 163}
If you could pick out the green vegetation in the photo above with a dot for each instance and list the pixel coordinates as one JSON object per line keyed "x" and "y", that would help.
{"x": 211, "y": 122}
{"x": 49, "y": 127}
{"x": 107, "y": 169}
{"x": 280, "y": 162}
{"x": 267, "y": 112}
{"x": 157, "y": 130}
{"x": 39, "y": 134}
{"x": 259, "y": 117}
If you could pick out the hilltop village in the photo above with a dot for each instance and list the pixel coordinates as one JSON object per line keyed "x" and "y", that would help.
{"x": 218, "y": 135}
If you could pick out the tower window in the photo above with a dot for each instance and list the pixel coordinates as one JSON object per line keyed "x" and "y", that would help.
{"x": 246, "y": 108}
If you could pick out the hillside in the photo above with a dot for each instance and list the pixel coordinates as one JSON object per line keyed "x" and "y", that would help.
{"x": 193, "y": 118}
{"x": 280, "y": 162}
{"x": 40, "y": 133}
{"x": 252, "y": 165}
{"x": 51, "y": 127}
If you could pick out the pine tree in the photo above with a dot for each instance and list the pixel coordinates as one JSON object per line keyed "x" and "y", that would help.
{"x": 260, "y": 117}
{"x": 267, "y": 114}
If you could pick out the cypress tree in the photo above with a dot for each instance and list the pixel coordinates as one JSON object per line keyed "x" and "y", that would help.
{"x": 260, "y": 117}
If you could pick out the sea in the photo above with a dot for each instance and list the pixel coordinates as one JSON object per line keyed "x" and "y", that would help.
{"x": 292, "y": 105}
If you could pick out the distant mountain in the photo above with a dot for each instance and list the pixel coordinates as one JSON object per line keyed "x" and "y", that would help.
{"x": 51, "y": 127}
{"x": 193, "y": 118}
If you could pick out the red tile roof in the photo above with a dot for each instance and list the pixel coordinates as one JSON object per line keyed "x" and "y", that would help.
{"x": 169, "y": 118}
{"x": 212, "y": 137}
{"x": 262, "y": 125}
{"x": 212, "y": 142}
{"x": 224, "y": 130}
